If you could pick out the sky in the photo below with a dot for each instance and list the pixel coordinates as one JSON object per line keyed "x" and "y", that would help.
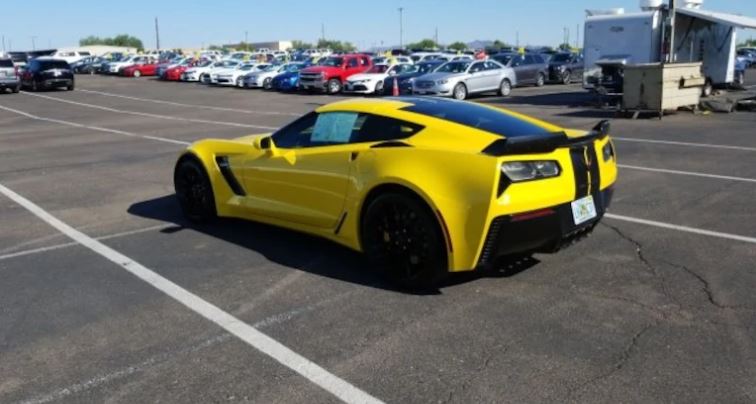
{"x": 365, "y": 23}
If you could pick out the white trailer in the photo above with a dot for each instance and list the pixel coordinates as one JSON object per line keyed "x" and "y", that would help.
{"x": 638, "y": 38}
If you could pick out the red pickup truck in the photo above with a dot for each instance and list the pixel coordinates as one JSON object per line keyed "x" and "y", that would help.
{"x": 329, "y": 75}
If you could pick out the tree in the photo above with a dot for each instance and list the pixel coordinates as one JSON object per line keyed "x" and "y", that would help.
{"x": 424, "y": 44}
{"x": 336, "y": 46}
{"x": 119, "y": 40}
{"x": 301, "y": 45}
{"x": 748, "y": 44}
{"x": 458, "y": 46}
{"x": 565, "y": 46}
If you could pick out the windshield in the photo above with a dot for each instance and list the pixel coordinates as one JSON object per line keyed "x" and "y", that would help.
{"x": 426, "y": 67}
{"x": 563, "y": 57}
{"x": 227, "y": 63}
{"x": 245, "y": 68}
{"x": 332, "y": 62}
{"x": 52, "y": 64}
{"x": 503, "y": 59}
{"x": 377, "y": 69}
{"x": 205, "y": 63}
{"x": 454, "y": 67}
{"x": 270, "y": 68}
{"x": 292, "y": 67}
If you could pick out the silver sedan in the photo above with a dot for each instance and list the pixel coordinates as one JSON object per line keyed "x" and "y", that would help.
{"x": 461, "y": 78}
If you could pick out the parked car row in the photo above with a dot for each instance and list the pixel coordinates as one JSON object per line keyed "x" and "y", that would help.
{"x": 423, "y": 73}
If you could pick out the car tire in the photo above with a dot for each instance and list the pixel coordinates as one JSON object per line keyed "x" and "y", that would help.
{"x": 34, "y": 86}
{"x": 194, "y": 190}
{"x": 567, "y": 77}
{"x": 379, "y": 88}
{"x": 240, "y": 82}
{"x": 137, "y": 73}
{"x": 402, "y": 239}
{"x": 333, "y": 86}
{"x": 459, "y": 92}
{"x": 708, "y": 88}
{"x": 267, "y": 84}
{"x": 541, "y": 80}
{"x": 204, "y": 79}
{"x": 17, "y": 89}
{"x": 70, "y": 87}
{"x": 739, "y": 79}
{"x": 505, "y": 88}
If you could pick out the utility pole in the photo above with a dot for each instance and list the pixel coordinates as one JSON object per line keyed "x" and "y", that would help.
{"x": 246, "y": 40}
{"x": 157, "y": 34}
{"x": 322, "y": 31}
{"x": 517, "y": 40}
{"x": 401, "y": 27}
{"x": 34, "y": 45}
{"x": 577, "y": 40}
{"x": 436, "y": 36}
{"x": 3, "y": 43}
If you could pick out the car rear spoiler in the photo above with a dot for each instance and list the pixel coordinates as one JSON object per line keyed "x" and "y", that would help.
{"x": 544, "y": 142}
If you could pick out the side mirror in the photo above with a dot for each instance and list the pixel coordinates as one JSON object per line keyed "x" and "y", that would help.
{"x": 264, "y": 143}
{"x": 392, "y": 73}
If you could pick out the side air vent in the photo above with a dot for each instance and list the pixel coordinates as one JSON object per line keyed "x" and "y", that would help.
{"x": 228, "y": 175}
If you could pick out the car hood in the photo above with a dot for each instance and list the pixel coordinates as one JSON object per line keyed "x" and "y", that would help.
{"x": 365, "y": 76}
{"x": 443, "y": 76}
{"x": 286, "y": 75}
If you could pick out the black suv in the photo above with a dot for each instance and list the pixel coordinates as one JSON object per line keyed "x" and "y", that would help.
{"x": 565, "y": 68}
{"x": 46, "y": 74}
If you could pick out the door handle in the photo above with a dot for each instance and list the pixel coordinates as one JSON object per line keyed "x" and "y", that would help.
{"x": 353, "y": 156}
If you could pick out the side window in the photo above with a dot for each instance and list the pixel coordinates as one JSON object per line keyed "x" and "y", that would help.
{"x": 335, "y": 128}
{"x": 491, "y": 66}
{"x": 296, "y": 134}
{"x": 517, "y": 61}
{"x": 364, "y": 61}
{"x": 476, "y": 67}
{"x": 377, "y": 128}
{"x": 529, "y": 60}
{"x": 353, "y": 62}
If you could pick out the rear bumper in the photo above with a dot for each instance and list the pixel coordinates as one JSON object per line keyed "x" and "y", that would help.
{"x": 9, "y": 84}
{"x": 543, "y": 232}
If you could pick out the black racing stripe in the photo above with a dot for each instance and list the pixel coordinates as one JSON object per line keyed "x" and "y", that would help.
{"x": 585, "y": 169}
{"x": 580, "y": 171}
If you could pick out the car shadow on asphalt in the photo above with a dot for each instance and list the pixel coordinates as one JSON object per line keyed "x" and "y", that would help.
{"x": 301, "y": 251}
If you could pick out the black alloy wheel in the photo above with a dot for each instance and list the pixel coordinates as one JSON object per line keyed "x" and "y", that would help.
{"x": 402, "y": 239}
{"x": 194, "y": 191}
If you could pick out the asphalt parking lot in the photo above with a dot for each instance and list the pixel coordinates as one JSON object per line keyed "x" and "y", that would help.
{"x": 656, "y": 306}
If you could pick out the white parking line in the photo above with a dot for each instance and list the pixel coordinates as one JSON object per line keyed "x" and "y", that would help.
{"x": 95, "y": 128}
{"x": 685, "y": 229}
{"x": 148, "y": 115}
{"x": 316, "y": 374}
{"x": 72, "y": 244}
{"x": 675, "y": 143}
{"x": 178, "y": 104}
{"x": 691, "y": 173}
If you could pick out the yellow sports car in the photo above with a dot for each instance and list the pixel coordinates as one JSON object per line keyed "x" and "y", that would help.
{"x": 422, "y": 186}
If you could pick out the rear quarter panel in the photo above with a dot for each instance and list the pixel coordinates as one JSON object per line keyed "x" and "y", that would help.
{"x": 456, "y": 185}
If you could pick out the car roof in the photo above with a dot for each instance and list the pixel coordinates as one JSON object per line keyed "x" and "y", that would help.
{"x": 478, "y": 118}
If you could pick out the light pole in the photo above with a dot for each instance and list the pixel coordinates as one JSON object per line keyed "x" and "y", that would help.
{"x": 401, "y": 27}
{"x": 34, "y": 45}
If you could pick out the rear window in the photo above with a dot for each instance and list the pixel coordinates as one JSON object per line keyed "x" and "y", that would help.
{"x": 6, "y": 63}
{"x": 52, "y": 64}
{"x": 472, "y": 115}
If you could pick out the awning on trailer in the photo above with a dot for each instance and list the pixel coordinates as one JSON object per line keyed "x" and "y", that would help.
{"x": 738, "y": 21}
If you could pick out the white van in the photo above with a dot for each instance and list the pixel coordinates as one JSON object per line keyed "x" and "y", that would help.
{"x": 70, "y": 56}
